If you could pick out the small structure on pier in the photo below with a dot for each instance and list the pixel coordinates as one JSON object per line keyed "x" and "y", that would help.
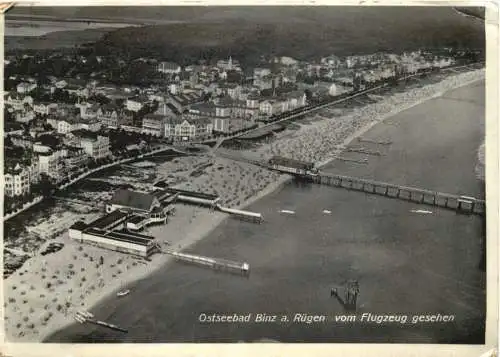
{"x": 292, "y": 166}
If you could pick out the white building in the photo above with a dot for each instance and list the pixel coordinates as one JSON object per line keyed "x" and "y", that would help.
{"x": 96, "y": 146}
{"x": 25, "y": 87}
{"x": 17, "y": 181}
{"x": 50, "y": 161}
{"x": 169, "y": 67}
{"x": 64, "y": 125}
{"x": 45, "y": 108}
{"x": 19, "y": 101}
{"x": 117, "y": 240}
{"x": 154, "y": 124}
{"x": 136, "y": 103}
{"x": 182, "y": 129}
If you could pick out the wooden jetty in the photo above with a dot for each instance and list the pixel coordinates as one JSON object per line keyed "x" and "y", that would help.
{"x": 107, "y": 325}
{"x": 357, "y": 161}
{"x": 363, "y": 140}
{"x": 365, "y": 151}
{"x": 244, "y": 215}
{"x": 85, "y": 316}
{"x": 213, "y": 263}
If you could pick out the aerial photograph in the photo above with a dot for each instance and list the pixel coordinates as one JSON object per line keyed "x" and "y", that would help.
{"x": 228, "y": 174}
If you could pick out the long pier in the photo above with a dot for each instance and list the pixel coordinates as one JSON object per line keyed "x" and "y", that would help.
{"x": 459, "y": 203}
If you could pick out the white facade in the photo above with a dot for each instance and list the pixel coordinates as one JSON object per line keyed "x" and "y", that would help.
{"x": 133, "y": 105}
{"x": 91, "y": 125}
{"x": 153, "y": 126}
{"x": 187, "y": 131}
{"x": 18, "y": 102}
{"x": 17, "y": 182}
{"x": 51, "y": 163}
{"x": 168, "y": 67}
{"x": 25, "y": 87}
{"x": 221, "y": 124}
{"x": 63, "y": 126}
{"x": 97, "y": 148}
{"x": 114, "y": 244}
{"x": 44, "y": 109}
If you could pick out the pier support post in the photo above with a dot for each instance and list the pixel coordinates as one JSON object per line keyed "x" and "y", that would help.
{"x": 386, "y": 192}
{"x": 446, "y": 202}
{"x": 459, "y": 205}
{"x": 434, "y": 198}
{"x": 398, "y": 193}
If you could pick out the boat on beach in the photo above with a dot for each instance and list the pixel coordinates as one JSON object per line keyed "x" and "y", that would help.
{"x": 287, "y": 211}
{"x": 123, "y": 293}
{"x": 80, "y": 319}
{"x": 85, "y": 314}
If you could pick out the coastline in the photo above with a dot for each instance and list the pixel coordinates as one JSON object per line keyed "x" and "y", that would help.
{"x": 207, "y": 222}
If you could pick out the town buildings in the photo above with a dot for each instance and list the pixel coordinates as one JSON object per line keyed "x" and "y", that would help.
{"x": 181, "y": 104}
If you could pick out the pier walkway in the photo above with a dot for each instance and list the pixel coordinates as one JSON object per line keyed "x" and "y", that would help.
{"x": 213, "y": 263}
{"x": 459, "y": 203}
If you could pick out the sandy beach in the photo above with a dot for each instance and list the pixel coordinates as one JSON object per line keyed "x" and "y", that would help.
{"x": 44, "y": 294}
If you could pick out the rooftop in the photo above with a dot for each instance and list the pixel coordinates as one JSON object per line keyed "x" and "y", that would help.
{"x": 104, "y": 221}
{"x": 122, "y": 236}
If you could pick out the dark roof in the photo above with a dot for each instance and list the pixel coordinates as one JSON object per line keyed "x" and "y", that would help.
{"x": 107, "y": 220}
{"x": 133, "y": 199}
{"x": 136, "y": 219}
{"x": 204, "y": 107}
{"x": 153, "y": 116}
{"x": 161, "y": 194}
{"x": 80, "y": 226}
{"x": 205, "y": 196}
{"x": 123, "y": 236}
{"x": 173, "y": 108}
{"x": 83, "y": 133}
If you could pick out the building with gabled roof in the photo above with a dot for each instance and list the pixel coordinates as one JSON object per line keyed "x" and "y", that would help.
{"x": 133, "y": 201}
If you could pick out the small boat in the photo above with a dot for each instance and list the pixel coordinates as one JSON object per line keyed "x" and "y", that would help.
{"x": 287, "y": 211}
{"x": 327, "y": 211}
{"x": 123, "y": 293}
{"x": 80, "y": 319}
{"x": 85, "y": 314}
{"x": 421, "y": 211}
